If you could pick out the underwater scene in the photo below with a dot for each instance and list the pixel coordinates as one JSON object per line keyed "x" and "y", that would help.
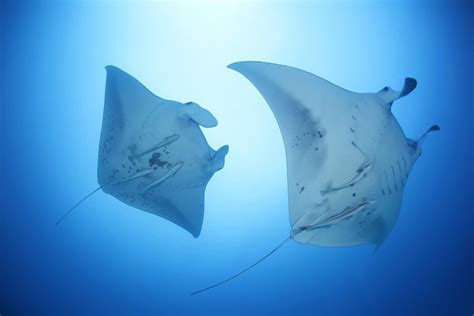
{"x": 236, "y": 158}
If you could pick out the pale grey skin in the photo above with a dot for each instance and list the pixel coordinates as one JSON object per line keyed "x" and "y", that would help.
{"x": 348, "y": 159}
{"x": 153, "y": 154}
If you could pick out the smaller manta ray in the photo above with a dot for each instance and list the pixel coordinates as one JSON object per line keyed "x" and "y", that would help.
{"x": 347, "y": 157}
{"x": 153, "y": 155}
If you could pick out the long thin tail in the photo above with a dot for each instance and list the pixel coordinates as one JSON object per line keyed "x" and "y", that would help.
{"x": 244, "y": 270}
{"x": 76, "y": 205}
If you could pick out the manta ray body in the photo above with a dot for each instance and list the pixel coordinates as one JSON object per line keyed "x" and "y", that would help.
{"x": 152, "y": 153}
{"x": 348, "y": 159}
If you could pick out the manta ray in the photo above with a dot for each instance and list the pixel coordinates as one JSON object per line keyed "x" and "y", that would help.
{"x": 348, "y": 159}
{"x": 153, "y": 155}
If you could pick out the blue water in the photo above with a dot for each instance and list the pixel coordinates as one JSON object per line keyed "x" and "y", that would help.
{"x": 110, "y": 259}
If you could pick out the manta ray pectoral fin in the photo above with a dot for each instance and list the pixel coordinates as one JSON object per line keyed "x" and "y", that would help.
{"x": 199, "y": 115}
{"x": 218, "y": 159}
{"x": 124, "y": 94}
{"x": 389, "y": 95}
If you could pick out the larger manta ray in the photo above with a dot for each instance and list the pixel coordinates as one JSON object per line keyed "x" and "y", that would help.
{"x": 348, "y": 159}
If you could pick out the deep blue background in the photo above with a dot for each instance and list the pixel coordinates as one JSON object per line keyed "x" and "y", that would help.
{"x": 108, "y": 258}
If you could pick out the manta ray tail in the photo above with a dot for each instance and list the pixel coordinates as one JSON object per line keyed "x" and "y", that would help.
{"x": 76, "y": 205}
{"x": 244, "y": 270}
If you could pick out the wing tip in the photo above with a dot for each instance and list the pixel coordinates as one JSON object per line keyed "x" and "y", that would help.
{"x": 110, "y": 68}
{"x": 234, "y": 64}
{"x": 239, "y": 65}
{"x": 196, "y": 234}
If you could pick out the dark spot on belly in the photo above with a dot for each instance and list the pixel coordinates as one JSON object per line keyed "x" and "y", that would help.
{"x": 155, "y": 160}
